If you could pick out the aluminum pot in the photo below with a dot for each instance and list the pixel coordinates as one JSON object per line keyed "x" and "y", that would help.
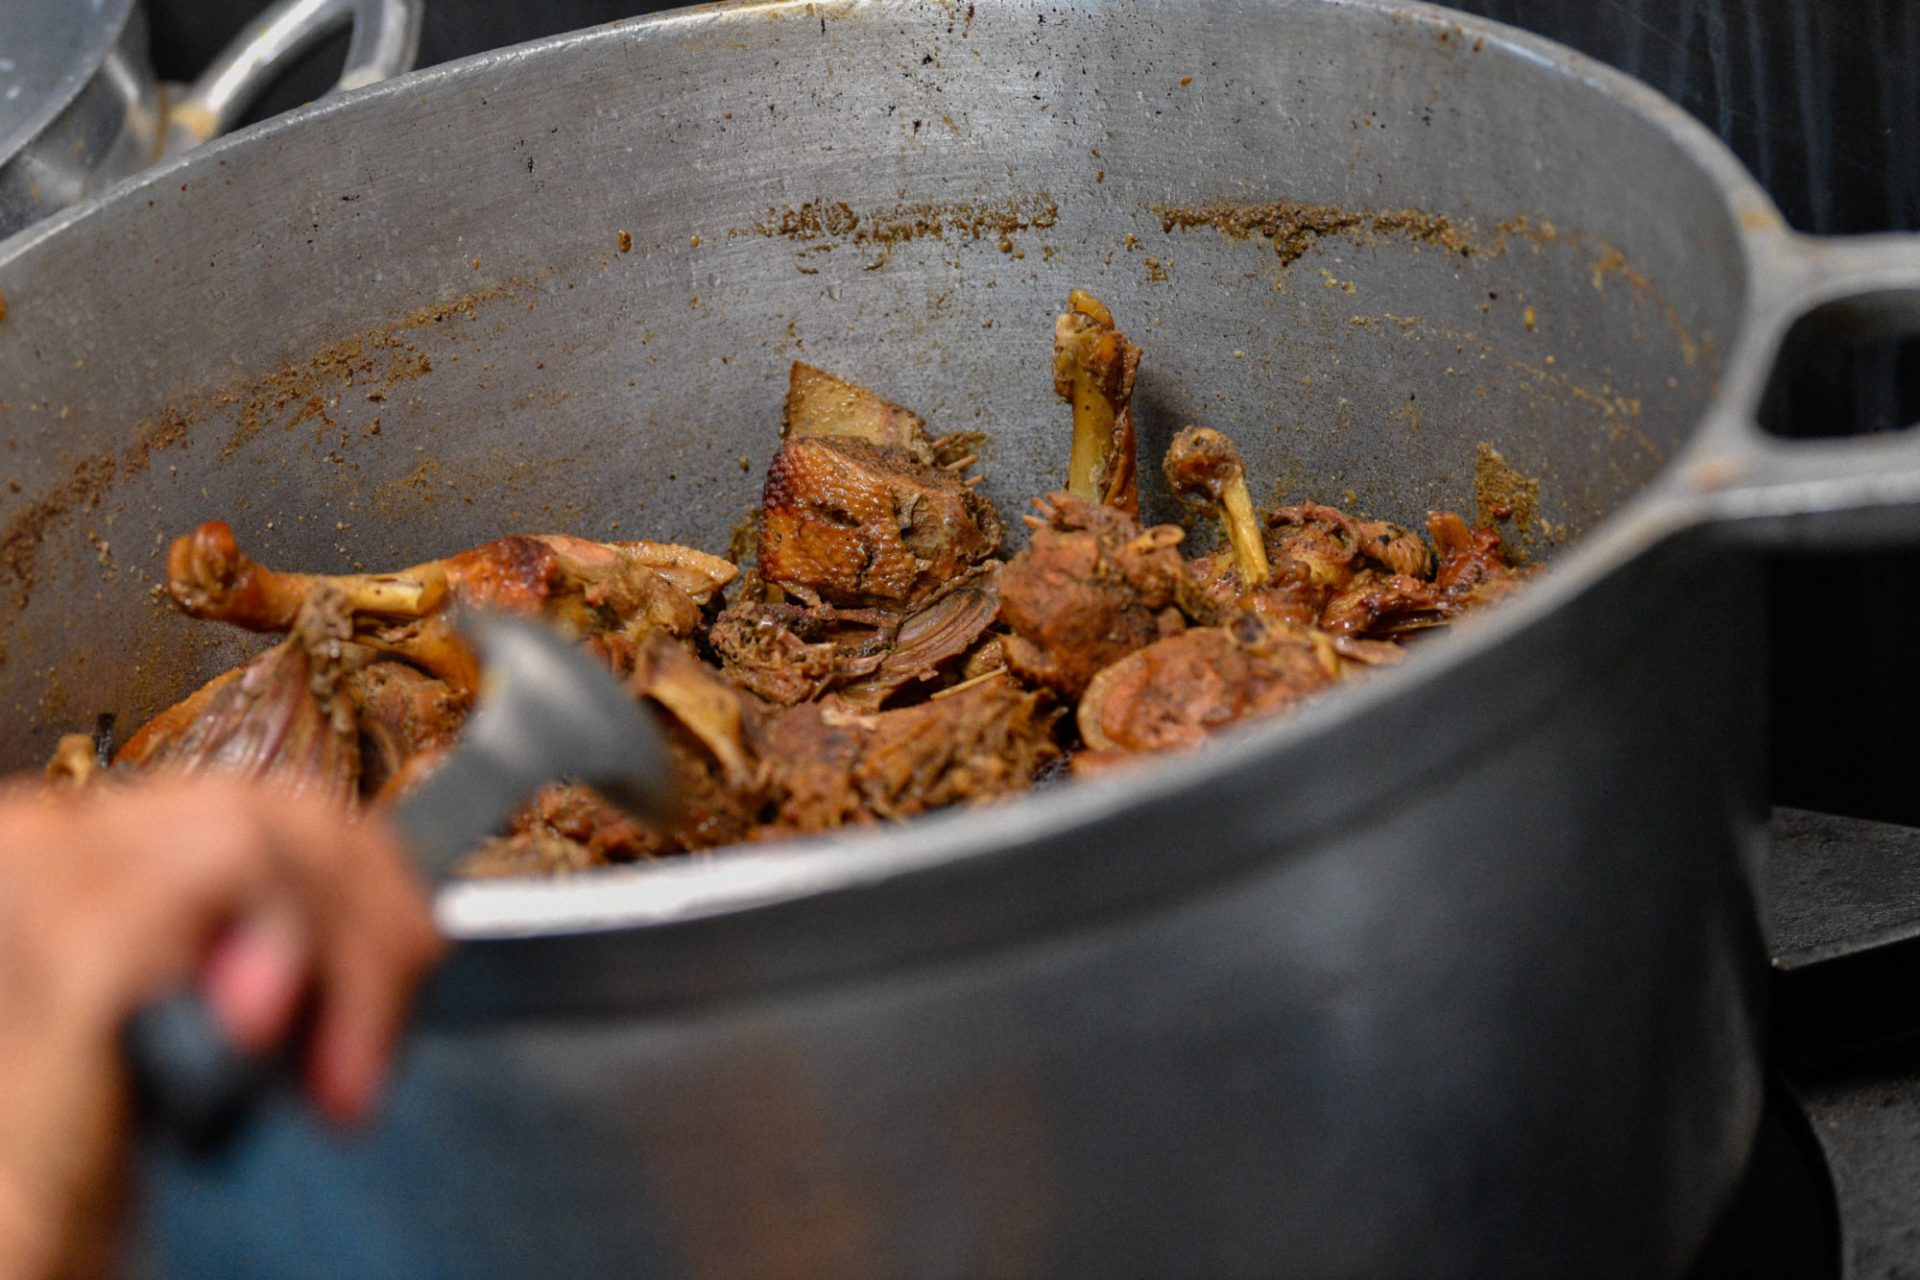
{"x": 1454, "y": 974}
{"x": 80, "y": 108}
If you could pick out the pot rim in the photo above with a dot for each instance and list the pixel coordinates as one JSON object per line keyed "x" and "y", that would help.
{"x": 732, "y": 882}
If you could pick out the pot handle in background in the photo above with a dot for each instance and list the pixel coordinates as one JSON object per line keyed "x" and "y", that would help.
{"x": 1832, "y": 493}
{"x": 385, "y": 42}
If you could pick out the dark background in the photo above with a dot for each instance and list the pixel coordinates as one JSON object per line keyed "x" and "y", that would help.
{"x": 1822, "y": 102}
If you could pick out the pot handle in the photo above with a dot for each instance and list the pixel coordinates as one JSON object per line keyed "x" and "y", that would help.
{"x": 386, "y": 40}
{"x": 1770, "y": 491}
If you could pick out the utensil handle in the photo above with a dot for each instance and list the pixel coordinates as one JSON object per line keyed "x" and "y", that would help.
{"x": 189, "y": 1079}
{"x": 385, "y": 43}
{"x": 1772, "y": 491}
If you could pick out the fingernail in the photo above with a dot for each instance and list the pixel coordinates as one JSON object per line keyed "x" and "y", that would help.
{"x": 254, "y": 978}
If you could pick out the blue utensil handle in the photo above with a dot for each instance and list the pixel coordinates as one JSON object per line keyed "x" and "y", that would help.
{"x": 190, "y": 1080}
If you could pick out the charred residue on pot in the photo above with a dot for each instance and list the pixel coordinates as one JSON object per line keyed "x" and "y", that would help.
{"x": 1294, "y": 227}
{"x": 821, "y": 225}
{"x": 378, "y": 358}
{"x": 1503, "y": 495}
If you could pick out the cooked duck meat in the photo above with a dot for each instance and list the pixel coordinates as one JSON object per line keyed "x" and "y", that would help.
{"x": 1203, "y": 464}
{"x": 880, "y": 659}
{"x": 1333, "y": 546}
{"x": 861, "y": 658}
{"x": 865, "y": 525}
{"x": 610, "y": 593}
{"x": 1091, "y": 587}
{"x": 1176, "y": 691}
{"x": 938, "y": 638}
{"x": 972, "y": 743}
{"x": 403, "y": 712}
{"x": 1473, "y": 565}
{"x": 284, "y": 715}
{"x": 791, "y": 653}
{"x": 819, "y": 404}
{"x": 1093, "y": 370}
{"x": 1386, "y": 606}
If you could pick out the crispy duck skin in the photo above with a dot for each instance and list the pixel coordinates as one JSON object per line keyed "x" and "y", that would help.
{"x": 864, "y": 525}
{"x": 1093, "y": 370}
{"x": 285, "y": 715}
{"x": 1177, "y": 691}
{"x": 1090, "y": 587}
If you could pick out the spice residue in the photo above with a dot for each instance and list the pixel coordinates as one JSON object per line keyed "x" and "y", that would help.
{"x": 1293, "y": 228}
{"x": 1502, "y": 494}
{"x": 818, "y": 225}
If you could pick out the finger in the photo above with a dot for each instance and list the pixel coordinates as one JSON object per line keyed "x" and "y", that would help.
{"x": 255, "y": 976}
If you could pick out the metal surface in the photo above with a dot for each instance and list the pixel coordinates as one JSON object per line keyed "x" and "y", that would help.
{"x": 79, "y": 108}
{"x": 1455, "y": 974}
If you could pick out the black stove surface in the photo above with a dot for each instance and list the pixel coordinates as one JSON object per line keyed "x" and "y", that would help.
{"x": 1833, "y": 1188}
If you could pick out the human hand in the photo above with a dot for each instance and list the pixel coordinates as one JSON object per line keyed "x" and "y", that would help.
{"x": 111, "y": 897}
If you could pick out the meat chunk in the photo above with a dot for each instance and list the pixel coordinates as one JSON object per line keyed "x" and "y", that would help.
{"x": 1093, "y": 370}
{"x": 860, "y": 524}
{"x": 819, "y": 404}
{"x": 1333, "y": 546}
{"x": 1091, "y": 587}
{"x": 789, "y": 654}
{"x": 612, "y": 594}
{"x": 976, "y": 742}
{"x": 402, "y": 713}
{"x": 1175, "y": 692}
{"x": 1473, "y": 565}
{"x": 285, "y": 715}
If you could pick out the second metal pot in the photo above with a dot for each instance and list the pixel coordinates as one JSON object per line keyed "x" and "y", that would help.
{"x": 80, "y": 108}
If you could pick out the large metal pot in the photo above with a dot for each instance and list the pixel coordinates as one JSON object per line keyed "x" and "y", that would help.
{"x": 1456, "y": 974}
{"x": 80, "y": 108}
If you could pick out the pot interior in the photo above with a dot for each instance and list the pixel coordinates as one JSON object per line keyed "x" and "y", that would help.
{"x": 559, "y": 289}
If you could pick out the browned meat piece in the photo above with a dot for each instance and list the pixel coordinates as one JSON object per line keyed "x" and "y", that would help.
{"x": 1333, "y": 546}
{"x": 210, "y": 577}
{"x": 819, "y": 404}
{"x": 1202, "y": 463}
{"x": 1090, "y": 588}
{"x": 403, "y": 712}
{"x": 861, "y": 525}
{"x": 284, "y": 715}
{"x": 1093, "y": 370}
{"x": 613, "y": 594}
{"x": 1385, "y": 606}
{"x": 1175, "y": 692}
{"x": 974, "y": 742}
{"x": 1473, "y": 565}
